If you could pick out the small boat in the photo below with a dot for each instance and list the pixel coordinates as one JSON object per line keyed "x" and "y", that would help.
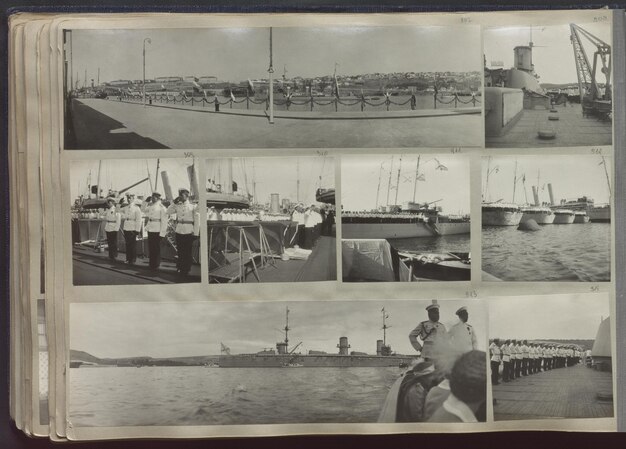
{"x": 436, "y": 267}
{"x": 581, "y": 217}
{"x": 563, "y": 216}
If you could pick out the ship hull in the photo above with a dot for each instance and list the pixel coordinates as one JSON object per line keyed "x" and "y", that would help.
{"x": 600, "y": 214}
{"x": 386, "y": 230}
{"x": 581, "y": 219}
{"x": 312, "y": 361}
{"x": 501, "y": 218}
{"x": 563, "y": 218}
{"x": 540, "y": 218}
{"x": 453, "y": 228}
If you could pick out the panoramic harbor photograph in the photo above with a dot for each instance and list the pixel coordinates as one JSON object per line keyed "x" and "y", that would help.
{"x": 553, "y": 364}
{"x": 263, "y": 87}
{"x": 135, "y": 221}
{"x": 221, "y": 363}
{"x": 271, "y": 219}
{"x": 548, "y": 86}
{"x": 547, "y": 218}
{"x": 405, "y": 217}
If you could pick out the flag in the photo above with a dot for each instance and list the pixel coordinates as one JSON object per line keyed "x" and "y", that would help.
{"x": 232, "y": 96}
{"x": 421, "y": 177}
{"x": 440, "y": 166}
{"x": 336, "y": 86}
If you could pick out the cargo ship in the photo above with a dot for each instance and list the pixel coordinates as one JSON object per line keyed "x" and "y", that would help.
{"x": 285, "y": 357}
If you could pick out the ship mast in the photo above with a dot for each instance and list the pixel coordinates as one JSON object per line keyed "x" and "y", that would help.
{"x": 389, "y": 185}
{"x": 380, "y": 175}
{"x": 287, "y": 329}
{"x": 385, "y": 327}
{"x": 417, "y": 173}
{"x": 486, "y": 194}
{"x": 398, "y": 182}
{"x": 608, "y": 181}
{"x": 514, "y": 181}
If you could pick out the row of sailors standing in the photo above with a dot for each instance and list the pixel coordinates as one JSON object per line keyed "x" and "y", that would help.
{"x": 243, "y": 215}
{"x": 521, "y": 358}
{"x": 375, "y": 217}
{"x": 130, "y": 218}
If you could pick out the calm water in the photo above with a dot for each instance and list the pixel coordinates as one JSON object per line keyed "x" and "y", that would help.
{"x": 204, "y": 396}
{"x": 576, "y": 252}
{"x": 447, "y": 243}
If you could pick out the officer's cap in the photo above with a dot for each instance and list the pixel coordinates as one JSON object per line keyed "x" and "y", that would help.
{"x": 110, "y": 200}
{"x": 156, "y": 195}
{"x": 462, "y": 309}
{"x": 432, "y": 307}
{"x": 183, "y": 190}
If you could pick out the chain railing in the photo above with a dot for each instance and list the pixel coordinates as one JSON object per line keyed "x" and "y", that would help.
{"x": 309, "y": 102}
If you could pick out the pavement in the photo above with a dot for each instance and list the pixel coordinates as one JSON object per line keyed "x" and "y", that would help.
{"x": 111, "y": 124}
{"x": 559, "y": 393}
{"x": 93, "y": 268}
{"x": 572, "y": 129}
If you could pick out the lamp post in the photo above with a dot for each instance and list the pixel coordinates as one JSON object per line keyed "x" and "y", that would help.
{"x": 148, "y": 40}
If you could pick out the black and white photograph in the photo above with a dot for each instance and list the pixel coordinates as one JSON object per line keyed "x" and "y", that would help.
{"x": 264, "y": 87}
{"x": 546, "y": 218}
{"x": 42, "y": 363}
{"x": 551, "y": 357}
{"x": 405, "y": 217}
{"x": 224, "y": 363}
{"x": 135, "y": 221}
{"x": 548, "y": 86}
{"x": 271, "y": 219}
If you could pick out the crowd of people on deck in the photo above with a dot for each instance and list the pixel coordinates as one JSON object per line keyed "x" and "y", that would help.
{"x": 512, "y": 359}
{"x": 380, "y": 217}
{"x": 448, "y": 383}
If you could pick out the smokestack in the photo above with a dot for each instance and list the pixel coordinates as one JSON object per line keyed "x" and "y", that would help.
{"x": 343, "y": 346}
{"x": 167, "y": 186}
{"x": 379, "y": 347}
{"x": 193, "y": 181}
{"x": 536, "y": 195}
{"x": 551, "y": 194}
{"x": 274, "y": 203}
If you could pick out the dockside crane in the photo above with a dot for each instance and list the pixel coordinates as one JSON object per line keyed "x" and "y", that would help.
{"x": 592, "y": 99}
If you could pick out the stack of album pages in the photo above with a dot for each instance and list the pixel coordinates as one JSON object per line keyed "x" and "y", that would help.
{"x": 280, "y": 224}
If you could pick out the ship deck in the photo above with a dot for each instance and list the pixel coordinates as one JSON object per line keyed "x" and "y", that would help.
{"x": 321, "y": 265}
{"x": 93, "y": 268}
{"x": 572, "y": 129}
{"x": 560, "y": 393}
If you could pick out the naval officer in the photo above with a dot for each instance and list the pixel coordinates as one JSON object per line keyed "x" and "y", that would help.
{"x": 132, "y": 228}
{"x": 495, "y": 356}
{"x": 431, "y": 332}
{"x": 156, "y": 226}
{"x": 187, "y": 228}
{"x": 113, "y": 220}
{"x": 462, "y": 334}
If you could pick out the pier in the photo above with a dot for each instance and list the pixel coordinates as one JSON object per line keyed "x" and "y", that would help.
{"x": 574, "y": 392}
{"x": 111, "y": 124}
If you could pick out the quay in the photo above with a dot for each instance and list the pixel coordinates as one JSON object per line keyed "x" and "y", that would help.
{"x": 574, "y": 392}
{"x": 110, "y": 124}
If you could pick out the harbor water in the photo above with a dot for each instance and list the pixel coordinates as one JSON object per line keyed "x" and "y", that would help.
{"x": 459, "y": 243}
{"x": 195, "y": 395}
{"x": 575, "y": 252}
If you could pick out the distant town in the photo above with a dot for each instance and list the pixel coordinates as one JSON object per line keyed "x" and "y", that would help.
{"x": 396, "y": 83}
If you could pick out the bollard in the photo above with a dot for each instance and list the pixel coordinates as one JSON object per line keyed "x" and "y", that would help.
{"x": 287, "y": 103}
{"x": 435, "y": 97}
{"x": 192, "y": 100}
{"x": 231, "y": 103}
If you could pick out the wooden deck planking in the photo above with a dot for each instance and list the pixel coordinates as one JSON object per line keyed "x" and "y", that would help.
{"x": 560, "y": 393}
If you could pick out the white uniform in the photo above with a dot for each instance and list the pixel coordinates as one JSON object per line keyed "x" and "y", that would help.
{"x": 113, "y": 220}
{"x": 463, "y": 337}
{"x": 132, "y": 218}
{"x": 157, "y": 218}
{"x": 187, "y": 218}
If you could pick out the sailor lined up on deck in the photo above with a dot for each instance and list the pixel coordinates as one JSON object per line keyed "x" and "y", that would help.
{"x": 156, "y": 226}
{"x": 113, "y": 221}
{"x": 133, "y": 222}
{"x": 187, "y": 228}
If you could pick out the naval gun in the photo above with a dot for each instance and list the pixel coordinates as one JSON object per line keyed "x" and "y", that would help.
{"x": 594, "y": 101}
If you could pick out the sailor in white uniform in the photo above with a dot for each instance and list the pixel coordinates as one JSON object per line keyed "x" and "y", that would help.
{"x": 113, "y": 220}
{"x": 156, "y": 225}
{"x": 187, "y": 229}
{"x": 132, "y": 228}
{"x": 462, "y": 334}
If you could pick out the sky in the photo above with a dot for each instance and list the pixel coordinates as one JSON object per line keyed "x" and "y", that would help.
{"x": 277, "y": 175}
{"x": 553, "y": 55}
{"x": 360, "y": 174}
{"x": 235, "y": 54}
{"x": 126, "y": 329}
{"x": 571, "y": 177}
{"x": 121, "y": 173}
{"x": 548, "y": 317}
